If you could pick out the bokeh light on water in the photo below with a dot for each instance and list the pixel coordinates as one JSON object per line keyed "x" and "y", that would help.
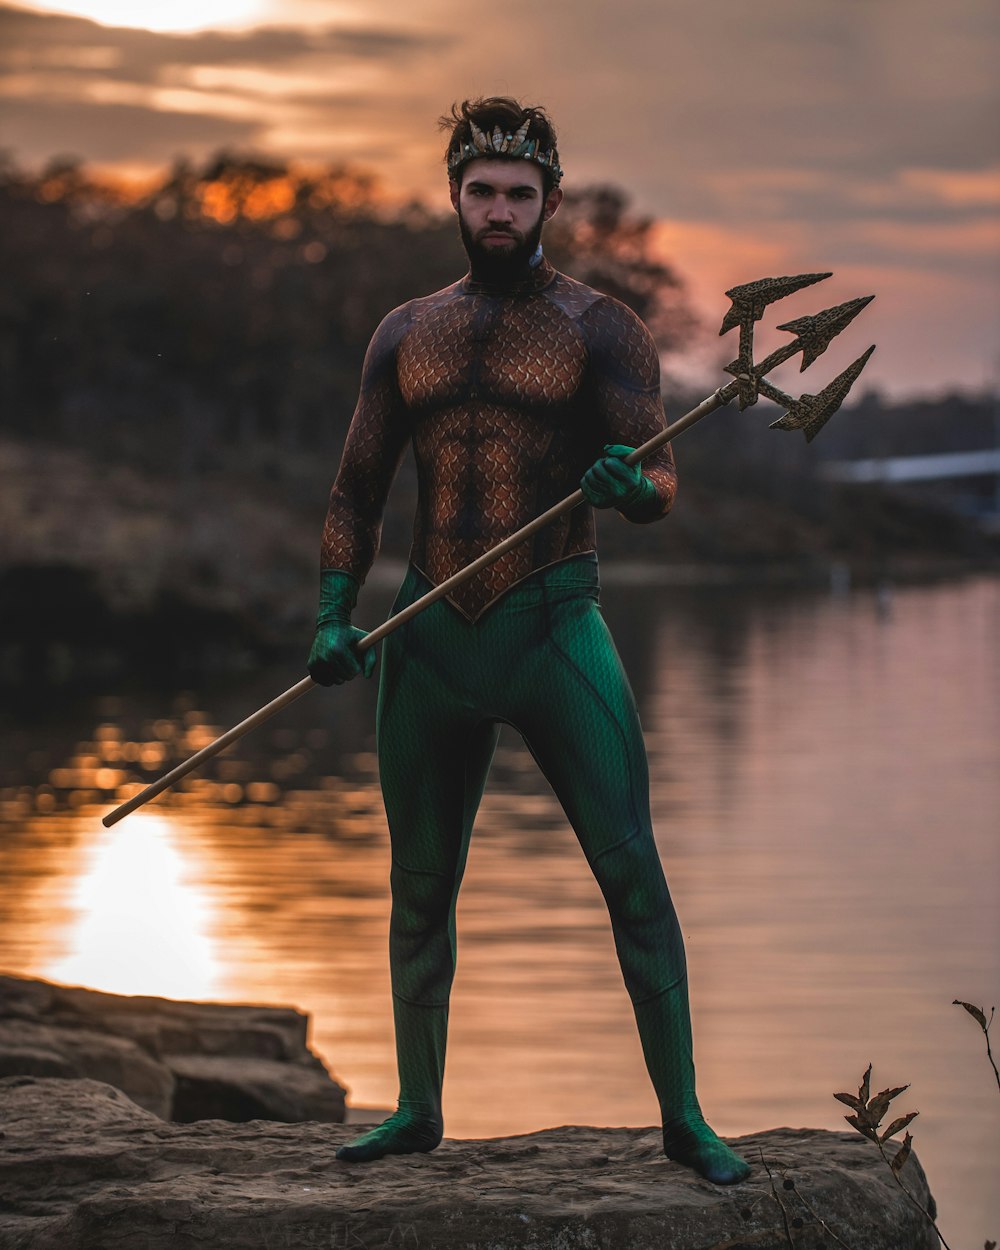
{"x": 825, "y": 791}
{"x": 140, "y": 922}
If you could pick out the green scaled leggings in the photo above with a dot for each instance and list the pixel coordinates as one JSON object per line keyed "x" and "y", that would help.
{"x": 541, "y": 660}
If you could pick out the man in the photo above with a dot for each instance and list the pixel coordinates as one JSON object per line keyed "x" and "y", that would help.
{"x": 514, "y": 385}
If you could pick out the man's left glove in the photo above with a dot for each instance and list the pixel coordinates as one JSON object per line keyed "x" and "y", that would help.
{"x": 611, "y": 483}
{"x": 333, "y": 659}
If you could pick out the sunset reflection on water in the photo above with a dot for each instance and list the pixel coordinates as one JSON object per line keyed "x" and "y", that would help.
{"x": 140, "y": 924}
{"x": 825, "y": 795}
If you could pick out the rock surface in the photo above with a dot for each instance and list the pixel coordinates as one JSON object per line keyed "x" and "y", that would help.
{"x": 179, "y": 1060}
{"x": 83, "y": 1168}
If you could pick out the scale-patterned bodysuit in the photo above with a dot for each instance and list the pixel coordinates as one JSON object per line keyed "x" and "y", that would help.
{"x": 508, "y": 398}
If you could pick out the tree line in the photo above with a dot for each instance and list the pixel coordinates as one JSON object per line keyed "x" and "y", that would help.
{"x": 216, "y": 322}
{"x": 225, "y": 311}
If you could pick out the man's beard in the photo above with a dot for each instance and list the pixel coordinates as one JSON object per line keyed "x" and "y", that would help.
{"x": 501, "y": 266}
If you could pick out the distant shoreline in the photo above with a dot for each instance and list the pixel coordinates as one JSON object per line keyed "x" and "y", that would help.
{"x": 387, "y": 574}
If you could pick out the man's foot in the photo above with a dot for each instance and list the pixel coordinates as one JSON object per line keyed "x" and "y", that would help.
{"x": 404, "y": 1133}
{"x": 690, "y": 1141}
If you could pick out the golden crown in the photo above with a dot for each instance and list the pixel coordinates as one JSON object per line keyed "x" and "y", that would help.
{"x": 515, "y": 145}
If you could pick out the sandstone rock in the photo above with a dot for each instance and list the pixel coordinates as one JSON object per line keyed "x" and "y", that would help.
{"x": 81, "y": 1168}
{"x": 214, "y": 1087}
{"x": 181, "y": 1060}
{"x": 164, "y": 1026}
{"x": 29, "y": 1048}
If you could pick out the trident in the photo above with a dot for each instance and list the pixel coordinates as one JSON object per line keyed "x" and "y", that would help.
{"x": 809, "y": 413}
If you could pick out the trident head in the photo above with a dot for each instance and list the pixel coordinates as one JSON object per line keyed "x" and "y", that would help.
{"x": 813, "y": 335}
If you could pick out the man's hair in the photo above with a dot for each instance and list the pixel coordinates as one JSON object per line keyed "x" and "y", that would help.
{"x": 488, "y": 112}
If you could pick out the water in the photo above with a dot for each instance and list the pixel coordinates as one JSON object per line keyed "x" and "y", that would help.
{"x": 825, "y": 789}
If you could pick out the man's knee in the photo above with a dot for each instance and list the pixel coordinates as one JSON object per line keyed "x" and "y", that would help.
{"x": 420, "y": 943}
{"x": 421, "y": 900}
{"x": 631, "y": 879}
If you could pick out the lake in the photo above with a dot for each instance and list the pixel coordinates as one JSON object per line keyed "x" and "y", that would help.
{"x": 826, "y": 794}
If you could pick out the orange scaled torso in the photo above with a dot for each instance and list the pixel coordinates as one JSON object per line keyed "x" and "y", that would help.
{"x": 507, "y": 399}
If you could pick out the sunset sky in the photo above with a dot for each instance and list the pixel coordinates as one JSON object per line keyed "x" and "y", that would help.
{"x": 770, "y": 137}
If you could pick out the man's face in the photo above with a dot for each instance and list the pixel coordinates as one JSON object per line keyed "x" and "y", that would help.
{"x": 501, "y": 206}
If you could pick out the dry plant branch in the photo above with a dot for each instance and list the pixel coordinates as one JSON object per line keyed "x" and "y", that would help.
{"x": 979, "y": 1015}
{"x": 777, "y": 1199}
{"x": 867, "y": 1119}
{"x": 788, "y": 1183}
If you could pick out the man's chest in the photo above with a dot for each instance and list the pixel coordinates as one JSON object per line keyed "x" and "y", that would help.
{"x": 524, "y": 354}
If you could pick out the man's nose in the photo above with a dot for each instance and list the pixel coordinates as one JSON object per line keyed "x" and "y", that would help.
{"x": 500, "y": 209}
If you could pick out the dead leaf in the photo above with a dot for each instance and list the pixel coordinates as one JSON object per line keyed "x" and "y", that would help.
{"x": 865, "y": 1090}
{"x": 976, "y": 1012}
{"x": 879, "y": 1105}
{"x": 902, "y": 1155}
{"x": 896, "y": 1125}
{"x": 850, "y": 1101}
{"x": 861, "y": 1125}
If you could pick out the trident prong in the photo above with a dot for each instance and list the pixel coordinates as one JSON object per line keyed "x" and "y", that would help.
{"x": 818, "y": 331}
{"x": 809, "y": 413}
{"x": 750, "y": 299}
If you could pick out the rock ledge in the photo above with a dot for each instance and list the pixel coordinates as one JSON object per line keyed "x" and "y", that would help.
{"x": 182, "y": 1060}
{"x": 82, "y": 1167}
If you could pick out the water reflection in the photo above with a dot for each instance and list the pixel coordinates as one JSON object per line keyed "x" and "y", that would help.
{"x": 141, "y": 925}
{"x": 825, "y": 791}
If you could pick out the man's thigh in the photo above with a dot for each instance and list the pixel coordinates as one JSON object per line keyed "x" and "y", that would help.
{"x": 434, "y": 754}
{"x": 578, "y": 716}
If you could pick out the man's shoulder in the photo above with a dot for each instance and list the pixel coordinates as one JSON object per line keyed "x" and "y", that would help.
{"x": 573, "y": 297}
{"x": 413, "y": 308}
{"x": 394, "y": 324}
{"x": 618, "y": 341}
{"x": 598, "y": 313}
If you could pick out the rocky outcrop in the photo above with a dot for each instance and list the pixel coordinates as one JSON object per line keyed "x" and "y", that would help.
{"x": 84, "y": 1168}
{"x": 179, "y": 1060}
{"x": 39, "y": 1050}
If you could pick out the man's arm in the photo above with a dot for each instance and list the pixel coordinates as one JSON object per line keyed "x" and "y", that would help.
{"x": 625, "y": 386}
{"x": 372, "y": 452}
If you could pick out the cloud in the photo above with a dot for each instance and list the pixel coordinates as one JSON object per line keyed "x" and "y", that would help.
{"x": 115, "y": 94}
{"x": 930, "y": 319}
{"x": 969, "y": 189}
{"x": 54, "y": 44}
{"x": 113, "y": 133}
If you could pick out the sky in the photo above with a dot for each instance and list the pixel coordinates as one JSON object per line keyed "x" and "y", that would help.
{"x": 765, "y": 138}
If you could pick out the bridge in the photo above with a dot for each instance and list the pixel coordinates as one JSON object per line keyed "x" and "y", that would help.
{"x": 915, "y": 468}
{"x": 941, "y": 466}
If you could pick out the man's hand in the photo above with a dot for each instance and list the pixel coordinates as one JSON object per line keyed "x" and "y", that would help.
{"x": 333, "y": 658}
{"x": 611, "y": 483}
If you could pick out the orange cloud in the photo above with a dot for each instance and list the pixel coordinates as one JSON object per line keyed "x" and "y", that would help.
{"x": 958, "y": 187}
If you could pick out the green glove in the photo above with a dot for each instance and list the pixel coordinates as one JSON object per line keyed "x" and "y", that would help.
{"x": 333, "y": 659}
{"x": 611, "y": 483}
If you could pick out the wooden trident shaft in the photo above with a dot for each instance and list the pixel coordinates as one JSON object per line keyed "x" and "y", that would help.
{"x": 407, "y": 614}
{"x": 764, "y": 291}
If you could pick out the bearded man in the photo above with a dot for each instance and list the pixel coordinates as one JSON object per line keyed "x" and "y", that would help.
{"x": 514, "y": 385}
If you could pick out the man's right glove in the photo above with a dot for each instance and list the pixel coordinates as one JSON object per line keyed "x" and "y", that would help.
{"x": 333, "y": 659}
{"x": 611, "y": 483}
